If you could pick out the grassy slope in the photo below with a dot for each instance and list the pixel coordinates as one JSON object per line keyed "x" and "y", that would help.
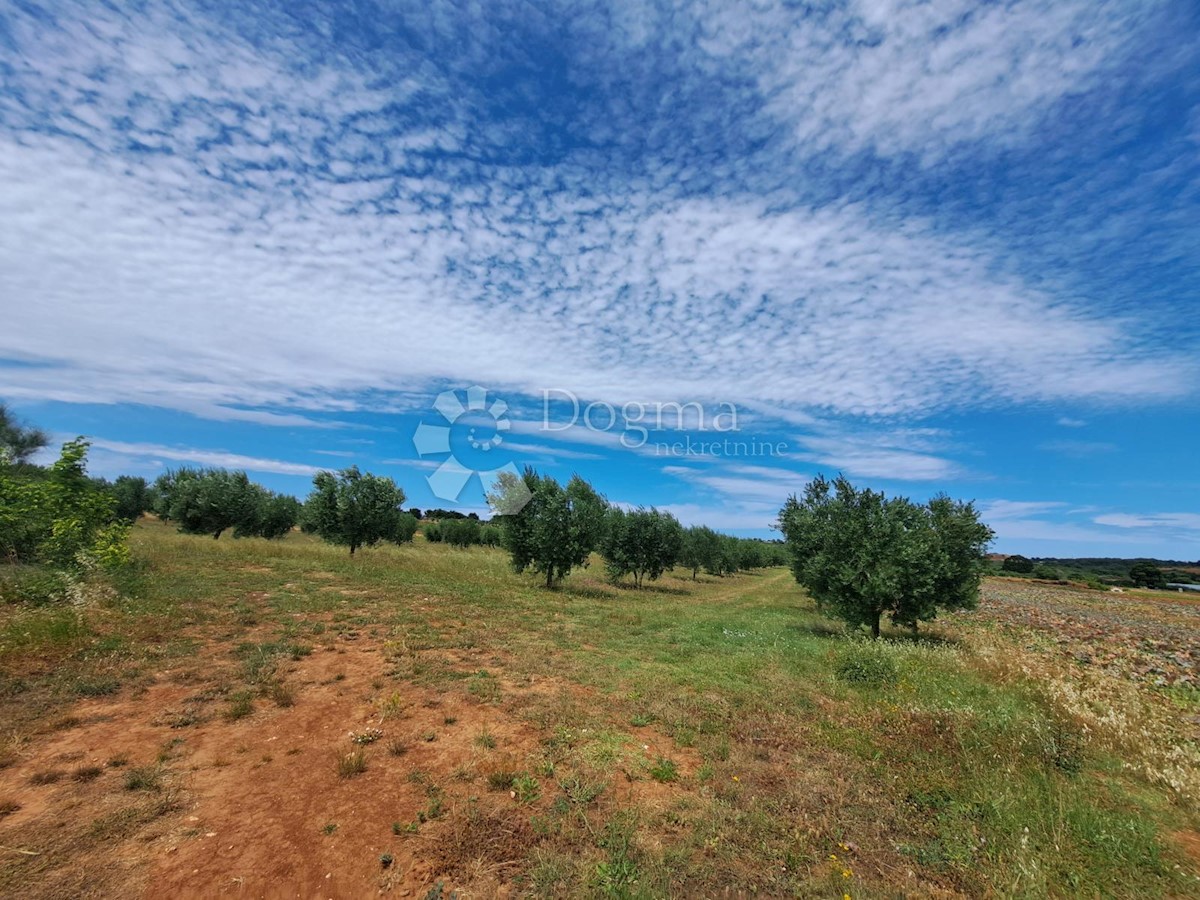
{"x": 960, "y": 777}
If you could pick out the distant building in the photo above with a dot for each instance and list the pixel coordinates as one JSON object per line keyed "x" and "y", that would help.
{"x": 1184, "y": 587}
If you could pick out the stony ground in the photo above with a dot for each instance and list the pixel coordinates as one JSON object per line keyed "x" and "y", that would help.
{"x": 1149, "y": 637}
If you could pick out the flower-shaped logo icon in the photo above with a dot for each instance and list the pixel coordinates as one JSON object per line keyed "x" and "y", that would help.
{"x": 451, "y": 477}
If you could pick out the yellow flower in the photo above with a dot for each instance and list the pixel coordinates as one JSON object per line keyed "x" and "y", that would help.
{"x": 846, "y": 873}
{"x": 833, "y": 856}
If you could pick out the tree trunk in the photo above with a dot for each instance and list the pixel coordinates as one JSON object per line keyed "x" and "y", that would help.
{"x": 875, "y": 626}
{"x": 217, "y": 535}
{"x": 353, "y": 547}
{"x": 550, "y": 578}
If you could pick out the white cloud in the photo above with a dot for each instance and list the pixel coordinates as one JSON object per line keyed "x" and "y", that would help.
{"x": 1068, "y": 422}
{"x": 295, "y": 244}
{"x": 1164, "y": 521}
{"x": 219, "y": 458}
{"x": 1002, "y": 510}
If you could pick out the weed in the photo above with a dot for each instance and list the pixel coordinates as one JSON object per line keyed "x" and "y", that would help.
{"x": 118, "y": 761}
{"x": 526, "y": 789}
{"x": 385, "y": 860}
{"x": 241, "y": 705}
{"x": 390, "y": 707}
{"x": 8, "y": 807}
{"x": 580, "y": 791}
{"x": 484, "y": 687}
{"x": 366, "y": 736}
{"x": 282, "y": 694}
{"x": 46, "y": 776}
{"x": 501, "y": 781}
{"x": 450, "y": 720}
{"x": 641, "y": 719}
{"x": 485, "y": 740}
{"x": 397, "y": 748}
{"x": 97, "y": 687}
{"x": 328, "y": 828}
{"x": 87, "y": 773}
{"x": 144, "y": 778}
{"x": 351, "y": 764}
{"x": 397, "y": 828}
{"x": 664, "y": 770}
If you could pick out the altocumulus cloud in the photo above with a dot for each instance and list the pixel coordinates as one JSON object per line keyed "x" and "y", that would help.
{"x": 237, "y": 210}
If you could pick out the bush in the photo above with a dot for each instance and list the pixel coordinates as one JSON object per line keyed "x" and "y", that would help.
{"x": 867, "y": 665}
{"x": 59, "y": 517}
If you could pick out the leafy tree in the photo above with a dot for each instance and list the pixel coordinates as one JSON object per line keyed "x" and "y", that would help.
{"x": 415, "y": 512}
{"x": 640, "y": 542}
{"x": 491, "y": 535}
{"x": 1148, "y": 575}
{"x": 209, "y": 501}
{"x": 750, "y": 555}
{"x": 1045, "y": 572}
{"x": 275, "y": 515}
{"x": 556, "y": 529}
{"x": 18, "y": 442}
{"x": 1017, "y": 563}
{"x": 133, "y": 497}
{"x": 725, "y": 561}
{"x": 461, "y": 533}
{"x": 406, "y": 527}
{"x": 433, "y": 532}
{"x": 700, "y": 547}
{"x": 354, "y": 509}
{"x": 861, "y": 554}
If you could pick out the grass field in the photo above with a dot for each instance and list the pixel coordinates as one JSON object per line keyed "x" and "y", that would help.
{"x": 252, "y": 718}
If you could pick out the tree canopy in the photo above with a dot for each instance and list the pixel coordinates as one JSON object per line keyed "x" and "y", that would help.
{"x": 18, "y": 442}
{"x": 354, "y": 509}
{"x": 641, "y": 543}
{"x": 1148, "y": 575}
{"x": 862, "y": 555}
{"x": 556, "y": 529}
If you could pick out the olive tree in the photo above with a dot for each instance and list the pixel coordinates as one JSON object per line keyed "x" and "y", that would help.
{"x": 208, "y": 501}
{"x": 641, "y": 543}
{"x": 862, "y": 555}
{"x": 548, "y": 529}
{"x": 700, "y": 547}
{"x": 354, "y": 509}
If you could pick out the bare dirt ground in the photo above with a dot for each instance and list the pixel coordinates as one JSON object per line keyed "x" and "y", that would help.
{"x": 254, "y": 806}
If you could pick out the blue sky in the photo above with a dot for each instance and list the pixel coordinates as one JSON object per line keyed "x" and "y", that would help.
{"x": 936, "y": 246}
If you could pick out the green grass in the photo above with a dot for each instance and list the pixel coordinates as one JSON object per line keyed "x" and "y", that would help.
{"x": 930, "y": 755}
